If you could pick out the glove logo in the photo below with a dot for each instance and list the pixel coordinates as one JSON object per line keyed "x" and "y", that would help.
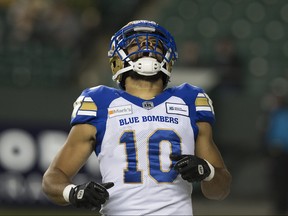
{"x": 80, "y": 194}
{"x": 200, "y": 169}
{"x": 191, "y": 167}
{"x": 90, "y": 195}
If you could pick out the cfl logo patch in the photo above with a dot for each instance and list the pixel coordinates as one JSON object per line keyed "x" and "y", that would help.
{"x": 148, "y": 105}
{"x": 80, "y": 194}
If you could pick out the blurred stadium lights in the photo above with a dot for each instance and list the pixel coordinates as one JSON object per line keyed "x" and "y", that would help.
{"x": 25, "y": 156}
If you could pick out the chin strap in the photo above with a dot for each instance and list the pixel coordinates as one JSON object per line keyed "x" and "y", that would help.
{"x": 144, "y": 66}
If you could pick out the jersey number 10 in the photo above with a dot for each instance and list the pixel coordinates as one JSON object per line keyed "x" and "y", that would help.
{"x": 132, "y": 174}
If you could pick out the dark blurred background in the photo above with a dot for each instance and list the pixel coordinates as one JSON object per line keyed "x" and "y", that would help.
{"x": 50, "y": 50}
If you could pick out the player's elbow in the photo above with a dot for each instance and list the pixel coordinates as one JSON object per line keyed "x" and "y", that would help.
{"x": 46, "y": 186}
{"x": 52, "y": 190}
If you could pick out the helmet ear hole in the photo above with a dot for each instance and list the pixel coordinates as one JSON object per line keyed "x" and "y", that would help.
{"x": 116, "y": 64}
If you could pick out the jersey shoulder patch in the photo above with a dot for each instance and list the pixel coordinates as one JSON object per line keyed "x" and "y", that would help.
{"x": 93, "y": 99}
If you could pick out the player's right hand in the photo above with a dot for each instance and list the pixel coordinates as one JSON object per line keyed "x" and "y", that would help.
{"x": 90, "y": 195}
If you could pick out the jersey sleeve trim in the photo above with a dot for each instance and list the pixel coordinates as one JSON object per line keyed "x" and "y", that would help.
{"x": 84, "y": 106}
{"x": 203, "y": 103}
{"x": 88, "y": 107}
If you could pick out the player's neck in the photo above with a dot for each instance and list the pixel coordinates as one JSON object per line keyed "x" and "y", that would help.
{"x": 143, "y": 89}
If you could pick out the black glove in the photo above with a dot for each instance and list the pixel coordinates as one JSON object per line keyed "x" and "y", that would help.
{"x": 90, "y": 195}
{"x": 191, "y": 168}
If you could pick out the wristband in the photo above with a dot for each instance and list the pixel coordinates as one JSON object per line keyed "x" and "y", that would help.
{"x": 66, "y": 192}
{"x": 212, "y": 173}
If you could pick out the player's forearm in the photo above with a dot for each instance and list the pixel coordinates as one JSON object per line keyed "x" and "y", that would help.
{"x": 53, "y": 184}
{"x": 219, "y": 187}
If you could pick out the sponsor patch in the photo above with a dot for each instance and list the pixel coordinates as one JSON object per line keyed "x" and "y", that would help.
{"x": 119, "y": 111}
{"x": 178, "y": 109}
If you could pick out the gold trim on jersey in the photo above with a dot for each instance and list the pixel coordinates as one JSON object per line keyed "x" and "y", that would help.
{"x": 202, "y": 101}
{"x": 88, "y": 106}
{"x": 84, "y": 106}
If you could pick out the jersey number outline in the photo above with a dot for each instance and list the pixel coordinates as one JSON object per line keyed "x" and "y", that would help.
{"x": 132, "y": 174}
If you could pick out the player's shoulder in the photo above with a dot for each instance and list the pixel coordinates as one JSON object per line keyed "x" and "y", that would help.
{"x": 99, "y": 90}
{"x": 188, "y": 87}
{"x": 187, "y": 90}
{"x": 101, "y": 95}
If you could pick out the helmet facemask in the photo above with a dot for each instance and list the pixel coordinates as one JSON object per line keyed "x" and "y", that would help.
{"x": 143, "y": 47}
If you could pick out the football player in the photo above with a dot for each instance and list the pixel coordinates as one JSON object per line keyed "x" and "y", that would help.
{"x": 152, "y": 141}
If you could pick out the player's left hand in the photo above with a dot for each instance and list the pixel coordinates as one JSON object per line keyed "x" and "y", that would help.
{"x": 193, "y": 168}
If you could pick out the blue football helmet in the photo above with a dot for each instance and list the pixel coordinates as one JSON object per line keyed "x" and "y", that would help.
{"x": 154, "y": 50}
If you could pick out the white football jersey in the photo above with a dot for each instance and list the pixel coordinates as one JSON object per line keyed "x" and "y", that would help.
{"x": 134, "y": 140}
